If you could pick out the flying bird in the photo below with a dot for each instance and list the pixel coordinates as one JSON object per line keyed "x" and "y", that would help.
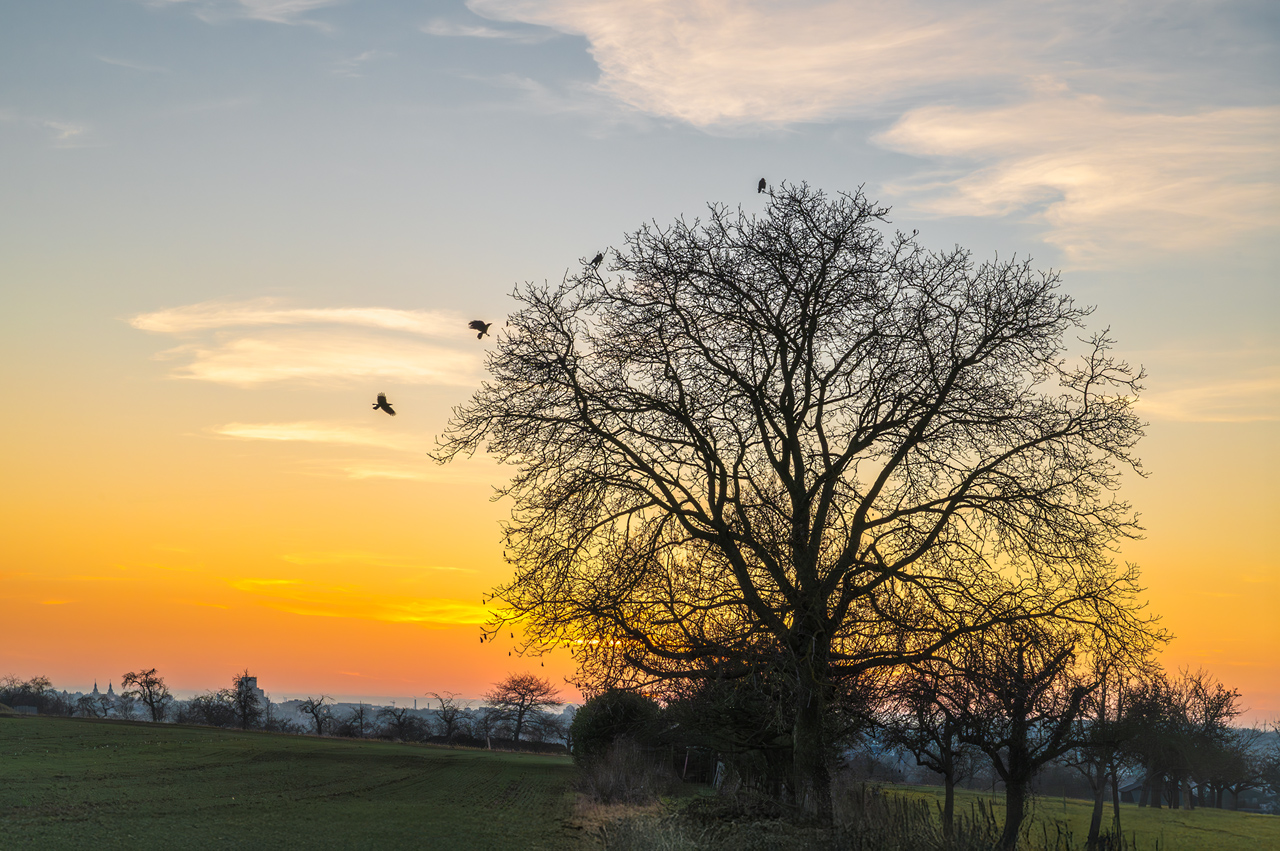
{"x": 597, "y": 260}
{"x": 761, "y": 186}
{"x": 383, "y": 404}
{"x": 482, "y": 327}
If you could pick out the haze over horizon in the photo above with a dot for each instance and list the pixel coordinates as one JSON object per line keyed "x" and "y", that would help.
{"x": 231, "y": 223}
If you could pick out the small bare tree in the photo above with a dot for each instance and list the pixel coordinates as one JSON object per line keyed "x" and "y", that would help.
{"x": 318, "y": 709}
{"x": 399, "y": 722}
{"x": 148, "y": 688}
{"x": 449, "y": 715}
{"x": 518, "y": 696}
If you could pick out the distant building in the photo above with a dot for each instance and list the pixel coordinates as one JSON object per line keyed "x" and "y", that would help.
{"x": 251, "y": 684}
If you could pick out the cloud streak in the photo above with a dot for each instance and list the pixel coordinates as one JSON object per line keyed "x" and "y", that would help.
{"x": 449, "y": 29}
{"x": 980, "y": 90}
{"x": 267, "y": 311}
{"x": 317, "y": 432}
{"x": 1097, "y": 176}
{"x": 62, "y": 134}
{"x": 274, "y": 11}
{"x": 310, "y": 599}
{"x": 260, "y": 342}
{"x": 1244, "y": 400}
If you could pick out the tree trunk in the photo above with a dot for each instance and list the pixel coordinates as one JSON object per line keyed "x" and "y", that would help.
{"x": 1099, "y": 799}
{"x": 1115, "y": 798}
{"x": 949, "y": 806}
{"x": 1015, "y": 810}
{"x": 813, "y": 777}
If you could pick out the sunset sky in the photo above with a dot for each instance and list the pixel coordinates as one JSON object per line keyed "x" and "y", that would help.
{"x": 226, "y": 225}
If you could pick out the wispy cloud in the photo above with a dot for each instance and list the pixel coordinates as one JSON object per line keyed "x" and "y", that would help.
{"x": 311, "y": 599}
{"x": 983, "y": 92}
{"x": 269, "y": 311}
{"x": 605, "y": 114}
{"x": 275, "y": 11}
{"x": 282, "y": 11}
{"x": 1098, "y": 177}
{"x": 318, "y": 432}
{"x": 344, "y": 557}
{"x": 62, "y": 134}
{"x": 351, "y": 67}
{"x": 1246, "y": 399}
{"x": 318, "y": 346}
{"x": 325, "y": 359}
{"x": 752, "y": 62}
{"x": 133, "y": 66}
{"x": 450, "y": 29}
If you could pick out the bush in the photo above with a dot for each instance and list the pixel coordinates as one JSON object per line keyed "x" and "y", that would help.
{"x": 626, "y": 774}
{"x": 614, "y": 714}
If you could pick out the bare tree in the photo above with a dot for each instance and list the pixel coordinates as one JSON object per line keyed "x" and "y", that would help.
{"x": 927, "y": 718}
{"x": 358, "y": 723}
{"x": 245, "y": 700}
{"x": 318, "y": 709}
{"x": 148, "y": 688}
{"x": 796, "y": 428}
{"x": 517, "y": 698}
{"x": 93, "y": 707}
{"x": 125, "y": 706}
{"x": 400, "y": 722}
{"x": 449, "y": 715}
{"x": 1021, "y": 700}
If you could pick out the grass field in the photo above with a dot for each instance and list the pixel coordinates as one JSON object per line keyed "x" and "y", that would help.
{"x": 71, "y": 783}
{"x": 1173, "y": 830}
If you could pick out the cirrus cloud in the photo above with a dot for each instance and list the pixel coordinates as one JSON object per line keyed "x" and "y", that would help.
{"x": 262, "y": 341}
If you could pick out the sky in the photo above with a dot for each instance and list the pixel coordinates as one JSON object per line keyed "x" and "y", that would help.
{"x": 228, "y": 224}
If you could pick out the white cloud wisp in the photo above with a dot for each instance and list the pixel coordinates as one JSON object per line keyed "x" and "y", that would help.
{"x": 315, "y": 346}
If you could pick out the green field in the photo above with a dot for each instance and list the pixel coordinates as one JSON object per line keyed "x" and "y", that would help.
{"x": 71, "y": 783}
{"x": 1174, "y": 830}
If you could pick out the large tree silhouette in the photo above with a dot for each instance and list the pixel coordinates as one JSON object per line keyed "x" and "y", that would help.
{"x": 794, "y": 437}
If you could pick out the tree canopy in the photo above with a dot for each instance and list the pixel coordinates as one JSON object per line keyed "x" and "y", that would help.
{"x": 798, "y": 442}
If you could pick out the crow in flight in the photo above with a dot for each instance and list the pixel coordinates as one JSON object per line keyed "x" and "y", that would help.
{"x": 597, "y": 260}
{"x": 383, "y": 404}
{"x": 760, "y": 187}
{"x": 482, "y": 327}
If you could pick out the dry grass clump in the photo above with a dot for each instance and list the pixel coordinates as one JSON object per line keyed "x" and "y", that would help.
{"x": 626, "y": 774}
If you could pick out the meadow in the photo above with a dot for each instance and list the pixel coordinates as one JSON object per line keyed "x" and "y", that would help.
{"x": 1150, "y": 829}
{"x": 68, "y": 783}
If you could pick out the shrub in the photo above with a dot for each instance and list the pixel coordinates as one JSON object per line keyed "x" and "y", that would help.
{"x": 625, "y": 774}
{"x": 609, "y": 716}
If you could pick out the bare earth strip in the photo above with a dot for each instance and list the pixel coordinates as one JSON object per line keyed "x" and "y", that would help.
{"x": 71, "y": 783}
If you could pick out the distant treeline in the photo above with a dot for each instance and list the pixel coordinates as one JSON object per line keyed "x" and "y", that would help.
{"x": 506, "y": 721}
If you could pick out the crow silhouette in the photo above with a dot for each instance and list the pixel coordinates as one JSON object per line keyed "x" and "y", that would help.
{"x": 597, "y": 260}
{"x": 761, "y": 186}
{"x": 383, "y": 404}
{"x": 482, "y": 327}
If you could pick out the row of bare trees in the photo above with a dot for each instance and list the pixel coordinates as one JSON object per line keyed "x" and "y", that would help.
{"x": 515, "y": 710}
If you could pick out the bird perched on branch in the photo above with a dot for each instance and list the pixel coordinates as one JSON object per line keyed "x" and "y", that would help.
{"x": 597, "y": 260}
{"x": 477, "y": 325}
{"x": 383, "y": 404}
{"x": 761, "y": 186}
